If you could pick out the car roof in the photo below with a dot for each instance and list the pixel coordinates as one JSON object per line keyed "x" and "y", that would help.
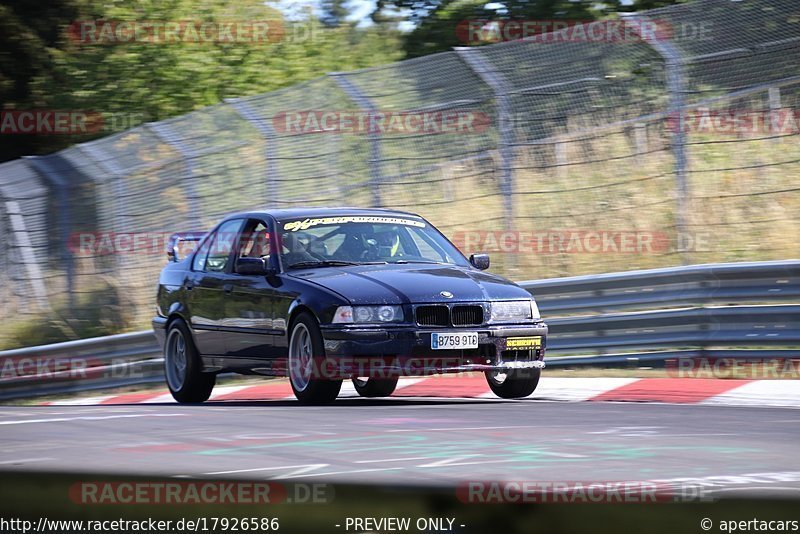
{"x": 282, "y": 214}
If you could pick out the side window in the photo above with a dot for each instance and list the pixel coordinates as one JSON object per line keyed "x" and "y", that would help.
{"x": 255, "y": 241}
{"x": 199, "y": 262}
{"x": 220, "y": 253}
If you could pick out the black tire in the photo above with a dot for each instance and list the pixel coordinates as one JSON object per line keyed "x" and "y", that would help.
{"x": 375, "y": 387}
{"x": 305, "y": 340}
{"x": 183, "y": 368}
{"x": 517, "y": 384}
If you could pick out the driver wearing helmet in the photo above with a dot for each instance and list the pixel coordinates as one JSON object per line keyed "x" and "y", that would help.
{"x": 388, "y": 242}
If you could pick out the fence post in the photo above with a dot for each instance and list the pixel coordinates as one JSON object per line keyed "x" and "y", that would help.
{"x": 267, "y": 132}
{"x": 110, "y": 166}
{"x": 774, "y": 110}
{"x": 673, "y": 63}
{"x": 561, "y": 158}
{"x": 365, "y": 104}
{"x": 44, "y": 168}
{"x": 505, "y": 124}
{"x": 640, "y": 136}
{"x": 165, "y": 133}
{"x": 23, "y": 241}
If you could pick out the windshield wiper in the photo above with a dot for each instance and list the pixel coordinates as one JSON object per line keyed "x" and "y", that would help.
{"x": 330, "y": 263}
{"x": 418, "y": 261}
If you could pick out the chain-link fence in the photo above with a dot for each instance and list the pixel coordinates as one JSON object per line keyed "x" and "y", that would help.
{"x": 569, "y": 155}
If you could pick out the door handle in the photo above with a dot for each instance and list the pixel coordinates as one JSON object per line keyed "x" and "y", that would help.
{"x": 227, "y": 288}
{"x": 189, "y": 285}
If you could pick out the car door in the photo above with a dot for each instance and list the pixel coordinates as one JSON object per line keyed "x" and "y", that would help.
{"x": 205, "y": 286}
{"x": 249, "y": 326}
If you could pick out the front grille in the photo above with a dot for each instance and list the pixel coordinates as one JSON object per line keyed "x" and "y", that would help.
{"x": 441, "y": 315}
{"x": 467, "y": 315}
{"x": 433, "y": 316}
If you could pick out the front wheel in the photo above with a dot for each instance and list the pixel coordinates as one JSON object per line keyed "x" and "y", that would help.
{"x": 514, "y": 383}
{"x": 375, "y": 387}
{"x": 182, "y": 366}
{"x": 306, "y": 348}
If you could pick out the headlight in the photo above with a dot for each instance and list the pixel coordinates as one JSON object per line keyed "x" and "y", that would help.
{"x": 368, "y": 314}
{"x": 514, "y": 310}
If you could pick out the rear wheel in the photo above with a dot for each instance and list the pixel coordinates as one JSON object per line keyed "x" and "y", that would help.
{"x": 514, "y": 383}
{"x": 375, "y": 387}
{"x": 182, "y": 366}
{"x": 306, "y": 347}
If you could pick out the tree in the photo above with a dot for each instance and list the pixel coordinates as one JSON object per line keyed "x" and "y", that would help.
{"x": 45, "y": 66}
{"x": 439, "y": 24}
{"x": 30, "y": 38}
{"x": 334, "y": 12}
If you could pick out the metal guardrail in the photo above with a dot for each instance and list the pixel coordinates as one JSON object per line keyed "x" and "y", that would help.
{"x": 82, "y": 365}
{"x": 646, "y": 317}
{"x": 693, "y": 285}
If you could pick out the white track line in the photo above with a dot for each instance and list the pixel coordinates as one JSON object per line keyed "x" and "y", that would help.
{"x": 88, "y": 418}
{"x": 85, "y": 401}
{"x": 163, "y": 398}
{"x": 343, "y": 472}
{"x": 25, "y": 460}
{"x": 348, "y": 390}
{"x": 227, "y": 390}
{"x": 297, "y": 469}
{"x": 392, "y": 460}
{"x": 761, "y": 393}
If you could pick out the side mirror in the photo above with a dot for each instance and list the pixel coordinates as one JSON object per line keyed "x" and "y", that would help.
{"x": 480, "y": 261}
{"x": 253, "y": 267}
{"x": 177, "y": 244}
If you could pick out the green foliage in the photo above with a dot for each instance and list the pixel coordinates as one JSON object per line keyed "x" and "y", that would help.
{"x": 98, "y": 312}
{"x": 437, "y": 20}
{"x": 42, "y": 67}
{"x": 333, "y": 12}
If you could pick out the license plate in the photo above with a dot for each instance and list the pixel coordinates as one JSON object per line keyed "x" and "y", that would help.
{"x": 522, "y": 343}
{"x": 461, "y": 340}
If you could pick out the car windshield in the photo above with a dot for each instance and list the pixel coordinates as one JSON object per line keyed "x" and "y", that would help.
{"x": 345, "y": 240}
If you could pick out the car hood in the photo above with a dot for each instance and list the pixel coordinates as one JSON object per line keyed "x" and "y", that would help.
{"x": 412, "y": 283}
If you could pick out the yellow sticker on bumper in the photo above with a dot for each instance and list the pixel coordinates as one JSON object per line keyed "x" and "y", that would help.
{"x": 524, "y": 342}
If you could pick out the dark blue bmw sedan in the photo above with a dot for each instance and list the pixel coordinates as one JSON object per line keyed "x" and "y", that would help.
{"x": 324, "y": 295}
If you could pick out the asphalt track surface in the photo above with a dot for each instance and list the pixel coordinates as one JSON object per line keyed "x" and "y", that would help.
{"x": 419, "y": 441}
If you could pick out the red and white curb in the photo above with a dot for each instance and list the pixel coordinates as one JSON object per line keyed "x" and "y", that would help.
{"x": 663, "y": 390}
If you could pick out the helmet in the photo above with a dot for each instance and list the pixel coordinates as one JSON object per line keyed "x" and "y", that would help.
{"x": 388, "y": 242}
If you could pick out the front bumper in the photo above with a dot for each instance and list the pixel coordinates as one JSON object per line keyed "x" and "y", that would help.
{"x": 406, "y": 350}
